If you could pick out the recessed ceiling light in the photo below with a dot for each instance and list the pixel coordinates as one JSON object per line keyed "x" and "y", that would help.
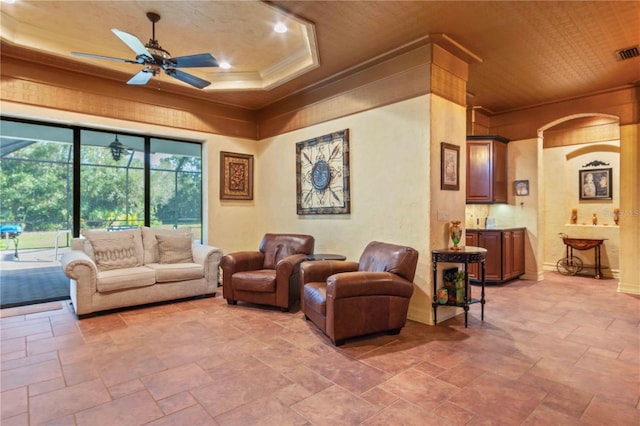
{"x": 225, "y": 65}
{"x": 280, "y": 28}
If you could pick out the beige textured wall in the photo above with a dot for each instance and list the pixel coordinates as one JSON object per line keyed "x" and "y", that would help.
{"x": 630, "y": 209}
{"x": 447, "y": 125}
{"x": 561, "y": 167}
{"x": 389, "y": 165}
{"x": 522, "y": 211}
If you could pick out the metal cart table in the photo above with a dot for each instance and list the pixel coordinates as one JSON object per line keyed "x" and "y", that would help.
{"x": 570, "y": 264}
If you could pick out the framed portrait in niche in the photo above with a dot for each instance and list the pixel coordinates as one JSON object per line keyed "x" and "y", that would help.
{"x": 322, "y": 175}
{"x": 595, "y": 184}
{"x": 236, "y": 176}
{"x": 449, "y": 167}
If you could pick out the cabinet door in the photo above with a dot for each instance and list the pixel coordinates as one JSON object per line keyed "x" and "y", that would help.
{"x": 479, "y": 183}
{"x": 507, "y": 255}
{"x": 518, "y": 252}
{"x": 471, "y": 239}
{"x": 499, "y": 172}
{"x": 492, "y": 241}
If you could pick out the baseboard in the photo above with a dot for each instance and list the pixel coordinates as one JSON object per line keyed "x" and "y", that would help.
{"x": 628, "y": 288}
{"x": 420, "y": 315}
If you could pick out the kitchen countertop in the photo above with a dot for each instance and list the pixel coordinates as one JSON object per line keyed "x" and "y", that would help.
{"x": 497, "y": 228}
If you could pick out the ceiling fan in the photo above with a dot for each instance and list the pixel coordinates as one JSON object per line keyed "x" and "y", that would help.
{"x": 155, "y": 59}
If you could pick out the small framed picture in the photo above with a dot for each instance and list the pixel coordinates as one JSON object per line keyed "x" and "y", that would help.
{"x": 595, "y": 184}
{"x": 236, "y": 176}
{"x": 521, "y": 187}
{"x": 449, "y": 167}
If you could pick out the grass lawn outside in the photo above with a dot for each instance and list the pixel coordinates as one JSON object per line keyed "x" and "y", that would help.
{"x": 47, "y": 239}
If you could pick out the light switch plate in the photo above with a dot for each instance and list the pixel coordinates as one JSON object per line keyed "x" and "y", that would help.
{"x": 443, "y": 215}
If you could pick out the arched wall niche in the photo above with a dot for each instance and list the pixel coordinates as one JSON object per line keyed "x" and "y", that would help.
{"x": 591, "y": 149}
{"x": 569, "y": 144}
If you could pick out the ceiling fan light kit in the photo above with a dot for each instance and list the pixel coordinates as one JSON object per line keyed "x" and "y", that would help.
{"x": 155, "y": 59}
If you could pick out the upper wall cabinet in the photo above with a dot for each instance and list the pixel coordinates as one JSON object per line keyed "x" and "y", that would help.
{"x": 486, "y": 169}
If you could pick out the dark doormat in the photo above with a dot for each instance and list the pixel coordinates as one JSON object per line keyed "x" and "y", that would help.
{"x": 34, "y": 285}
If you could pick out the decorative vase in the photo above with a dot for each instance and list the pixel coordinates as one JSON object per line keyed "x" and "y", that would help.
{"x": 574, "y": 216}
{"x": 594, "y": 219}
{"x": 456, "y": 234}
{"x": 616, "y": 215}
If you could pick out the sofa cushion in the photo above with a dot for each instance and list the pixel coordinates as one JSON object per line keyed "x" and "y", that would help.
{"x": 263, "y": 280}
{"x": 92, "y": 235}
{"x": 115, "y": 253}
{"x": 174, "y": 248}
{"x": 151, "y": 253}
{"x": 172, "y": 272}
{"x": 122, "y": 279}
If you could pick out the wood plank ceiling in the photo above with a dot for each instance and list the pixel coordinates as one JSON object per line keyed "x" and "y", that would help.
{"x": 532, "y": 52}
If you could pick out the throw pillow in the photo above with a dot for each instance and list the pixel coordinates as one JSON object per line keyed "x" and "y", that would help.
{"x": 174, "y": 248}
{"x": 150, "y": 243}
{"x": 93, "y": 235}
{"x": 115, "y": 253}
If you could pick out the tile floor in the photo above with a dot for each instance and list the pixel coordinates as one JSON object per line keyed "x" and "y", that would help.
{"x": 562, "y": 351}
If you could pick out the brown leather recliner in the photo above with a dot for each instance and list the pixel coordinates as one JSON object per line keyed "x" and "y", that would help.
{"x": 269, "y": 276}
{"x": 348, "y": 299}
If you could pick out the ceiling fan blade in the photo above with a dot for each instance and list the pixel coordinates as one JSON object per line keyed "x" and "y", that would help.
{"x": 141, "y": 78}
{"x": 195, "y": 61}
{"x": 134, "y": 44}
{"x": 109, "y": 58}
{"x": 188, "y": 78}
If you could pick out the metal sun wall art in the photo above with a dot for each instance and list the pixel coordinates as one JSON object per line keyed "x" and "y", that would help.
{"x": 322, "y": 174}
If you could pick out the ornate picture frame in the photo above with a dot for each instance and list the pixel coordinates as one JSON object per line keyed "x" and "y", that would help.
{"x": 322, "y": 174}
{"x": 236, "y": 176}
{"x": 595, "y": 184}
{"x": 449, "y": 167}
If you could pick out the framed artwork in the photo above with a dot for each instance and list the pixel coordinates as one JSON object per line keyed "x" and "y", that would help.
{"x": 236, "y": 176}
{"x": 449, "y": 167}
{"x": 595, "y": 184}
{"x": 322, "y": 174}
{"x": 521, "y": 187}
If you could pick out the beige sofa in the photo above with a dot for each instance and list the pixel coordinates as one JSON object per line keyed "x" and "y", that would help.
{"x": 109, "y": 270}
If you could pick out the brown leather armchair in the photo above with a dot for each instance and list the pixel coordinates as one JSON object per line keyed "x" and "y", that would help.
{"x": 269, "y": 276}
{"x": 347, "y": 299}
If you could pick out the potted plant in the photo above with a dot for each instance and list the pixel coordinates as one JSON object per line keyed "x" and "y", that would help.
{"x": 454, "y": 282}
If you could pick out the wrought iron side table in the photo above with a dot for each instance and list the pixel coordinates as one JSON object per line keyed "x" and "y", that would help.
{"x": 466, "y": 255}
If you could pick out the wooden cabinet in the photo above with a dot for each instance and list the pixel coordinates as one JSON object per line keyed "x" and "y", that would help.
{"x": 486, "y": 169}
{"x": 471, "y": 240}
{"x": 505, "y": 253}
{"x": 492, "y": 241}
{"x": 518, "y": 252}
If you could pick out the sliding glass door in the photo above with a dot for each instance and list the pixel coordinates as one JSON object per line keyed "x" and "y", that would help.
{"x": 176, "y": 185}
{"x": 57, "y": 180}
{"x": 36, "y": 211}
{"x": 111, "y": 180}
